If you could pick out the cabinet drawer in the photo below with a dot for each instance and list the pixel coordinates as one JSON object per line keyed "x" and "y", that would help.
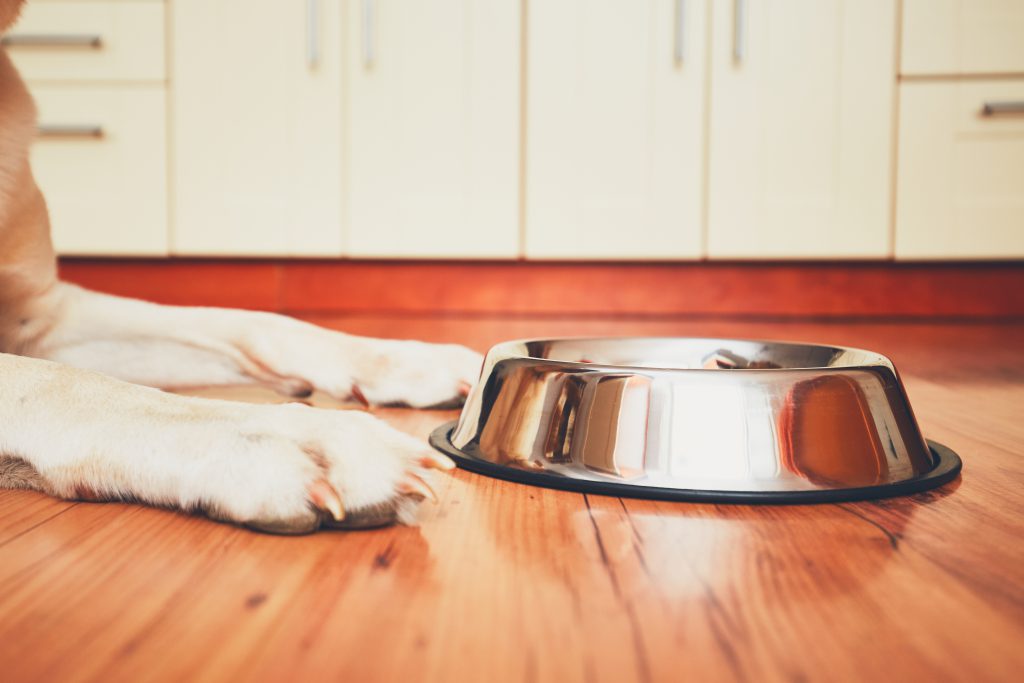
{"x": 947, "y": 37}
{"x": 960, "y": 186}
{"x": 100, "y": 161}
{"x": 90, "y": 41}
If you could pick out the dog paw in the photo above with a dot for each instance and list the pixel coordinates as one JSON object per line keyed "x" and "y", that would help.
{"x": 285, "y": 468}
{"x": 416, "y": 374}
{"x": 296, "y": 358}
{"x": 306, "y": 468}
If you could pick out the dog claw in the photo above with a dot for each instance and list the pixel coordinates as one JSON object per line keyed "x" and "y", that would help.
{"x": 414, "y": 485}
{"x": 437, "y": 461}
{"x": 358, "y": 395}
{"x": 326, "y": 498}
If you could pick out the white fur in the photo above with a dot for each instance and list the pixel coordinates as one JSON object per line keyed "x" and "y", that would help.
{"x": 244, "y": 462}
{"x": 174, "y": 347}
{"x": 253, "y": 464}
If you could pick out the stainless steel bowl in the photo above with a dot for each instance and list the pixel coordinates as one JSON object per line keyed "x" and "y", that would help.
{"x": 696, "y": 419}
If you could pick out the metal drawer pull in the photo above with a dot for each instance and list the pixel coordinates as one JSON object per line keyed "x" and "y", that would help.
{"x": 739, "y": 30}
{"x": 47, "y": 130}
{"x": 996, "y": 108}
{"x": 680, "y": 31}
{"x": 89, "y": 40}
{"x": 312, "y": 33}
{"x": 369, "y": 49}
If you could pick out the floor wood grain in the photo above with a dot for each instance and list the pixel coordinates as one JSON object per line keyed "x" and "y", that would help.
{"x": 502, "y": 582}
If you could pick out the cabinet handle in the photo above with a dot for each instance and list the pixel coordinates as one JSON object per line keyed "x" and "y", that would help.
{"x": 89, "y": 40}
{"x": 312, "y": 33}
{"x": 997, "y": 108}
{"x": 679, "y": 49}
{"x": 369, "y": 51}
{"x": 51, "y": 130}
{"x": 739, "y": 30}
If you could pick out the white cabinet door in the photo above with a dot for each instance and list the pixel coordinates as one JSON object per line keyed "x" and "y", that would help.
{"x": 801, "y": 128}
{"x": 960, "y": 189}
{"x": 945, "y": 37}
{"x": 256, "y": 113}
{"x": 614, "y": 118}
{"x": 101, "y": 163}
{"x": 433, "y": 127}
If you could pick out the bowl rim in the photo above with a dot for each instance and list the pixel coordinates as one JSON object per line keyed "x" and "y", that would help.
{"x": 879, "y": 360}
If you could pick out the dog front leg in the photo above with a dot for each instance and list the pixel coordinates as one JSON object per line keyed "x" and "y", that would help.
{"x": 179, "y": 347}
{"x": 286, "y": 468}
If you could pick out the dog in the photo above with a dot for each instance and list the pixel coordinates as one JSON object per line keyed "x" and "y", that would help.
{"x": 84, "y": 414}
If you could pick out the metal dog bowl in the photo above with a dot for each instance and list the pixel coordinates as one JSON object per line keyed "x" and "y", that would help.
{"x": 720, "y": 420}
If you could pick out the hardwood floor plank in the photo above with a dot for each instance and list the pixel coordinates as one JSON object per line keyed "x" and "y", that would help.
{"x": 22, "y": 511}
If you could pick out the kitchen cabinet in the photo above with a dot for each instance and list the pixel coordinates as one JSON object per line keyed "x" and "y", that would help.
{"x": 96, "y": 70}
{"x": 615, "y": 109}
{"x": 562, "y": 129}
{"x": 257, "y": 128}
{"x": 961, "y": 170}
{"x": 94, "y": 40}
{"x": 432, "y": 135}
{"x": 955, "y": 37}
{"x": 960, "y": 179}
{"x": 101, "y": 163}
{"x": 801, "y": 129}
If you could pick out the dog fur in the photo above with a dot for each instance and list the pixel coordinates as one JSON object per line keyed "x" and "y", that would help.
{"x": 82, "y": 414}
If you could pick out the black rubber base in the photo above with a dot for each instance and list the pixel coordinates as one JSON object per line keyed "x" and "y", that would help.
{"x": 947, "y": 469}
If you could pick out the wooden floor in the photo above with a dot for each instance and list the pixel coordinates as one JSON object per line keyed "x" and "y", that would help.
{"x": 502, "y": 582}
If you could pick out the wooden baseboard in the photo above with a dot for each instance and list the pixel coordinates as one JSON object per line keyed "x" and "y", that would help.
{"x": 880, "y": 290}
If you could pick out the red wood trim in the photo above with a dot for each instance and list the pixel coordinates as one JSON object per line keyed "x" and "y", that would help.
{"x": 848, "y": 290}
{"x": 237, "y": 284}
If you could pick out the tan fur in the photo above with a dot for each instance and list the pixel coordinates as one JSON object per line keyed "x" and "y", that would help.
{"x": 77, "y": 434}
{"x": 15, "y": 473}
{"x": 9, "y": 10}
{"x": 28, "y": 269}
